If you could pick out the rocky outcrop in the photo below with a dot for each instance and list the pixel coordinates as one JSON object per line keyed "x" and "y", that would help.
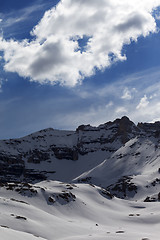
{"x": 26, "y": 157}
{"x": 152, "y": 129}
{"x": 123, "y": 187}
{"x": 65, "y": 153}
{"x": 107, "y": 137}
{"x": 126, "y": 129}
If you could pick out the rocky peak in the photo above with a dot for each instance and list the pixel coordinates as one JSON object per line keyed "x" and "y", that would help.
{"x": 122, "y": 128}
{"x": 86, "y": 128}
{"x": 125, "y": 124}
{"x": 126, "y": 129}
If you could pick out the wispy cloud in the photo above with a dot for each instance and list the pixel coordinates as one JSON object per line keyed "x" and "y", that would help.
{"x": 1, "y": 83}
{"x": 106, "y": 102}
{"x": 68, "y": 108}
{"x": 11, "y": 18}
{"x": 55, "y": 54}
{"x": 121, "y": 110}
{"x": 128, "y": 94}
{"x": 143, "y": 103}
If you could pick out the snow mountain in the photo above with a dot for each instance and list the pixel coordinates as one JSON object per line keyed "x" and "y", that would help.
{"x": 115, "y": 155}
{"x": 94, "y": 183}
{"x": 62, "y": 155}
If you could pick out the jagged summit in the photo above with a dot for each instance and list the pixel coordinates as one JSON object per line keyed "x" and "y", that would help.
{"x": 124, "y": 126}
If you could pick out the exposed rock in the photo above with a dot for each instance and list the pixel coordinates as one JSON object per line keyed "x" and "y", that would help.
{"x": 150, "y": 128}
{"x": 36, "y": 156}
{"x": 65, "y": 153}
{"x": 106, "y": 194}
{"x": 17, "y": 156}
{"x": 123, "y": 187}
{"x": 126, "y": 127}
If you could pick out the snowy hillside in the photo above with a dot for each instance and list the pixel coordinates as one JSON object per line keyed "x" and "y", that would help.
{"x": 93, "y": 183}
{"x": 59, "y": 211}
{"x": 133, "y": 171}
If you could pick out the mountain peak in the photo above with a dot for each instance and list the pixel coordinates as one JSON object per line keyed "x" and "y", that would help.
{"x": 126, "y": 129}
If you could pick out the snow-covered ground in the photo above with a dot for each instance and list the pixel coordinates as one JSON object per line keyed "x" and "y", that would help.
{"x": 58, "y": 211}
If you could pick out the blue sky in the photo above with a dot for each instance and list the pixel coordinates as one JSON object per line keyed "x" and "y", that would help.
{"x": 77, "y": 62}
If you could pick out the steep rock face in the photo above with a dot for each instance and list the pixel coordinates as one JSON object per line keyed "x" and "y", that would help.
{"x": 151, "y": 129}
{"x": 53, "y": 153}
{"x": 107, "y": 137}
{"x": 20, "y": 158}
{"x": 126, "y": 129}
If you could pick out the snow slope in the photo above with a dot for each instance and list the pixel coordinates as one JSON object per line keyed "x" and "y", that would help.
{"x": 87, "y": 212}
{"x": 133, "y": 171}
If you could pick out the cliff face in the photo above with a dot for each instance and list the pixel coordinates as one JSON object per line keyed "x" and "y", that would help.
{"x": 53, "y": 153}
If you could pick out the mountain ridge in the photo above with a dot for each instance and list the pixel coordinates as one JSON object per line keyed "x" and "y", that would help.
{"x": 49, "y": 144}
{"x": 102, "y": 155}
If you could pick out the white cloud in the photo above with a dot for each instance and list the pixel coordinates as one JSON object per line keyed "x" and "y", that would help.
{"x": 121, "y": 110}
{"x": 148, "y": 111}
{"x": 11, "y": 18}
{"x": 126, "y": 94}
{"x": 153, "y": 96}
{"x": 143, "y": 103}
{"x": 110, "y": 104}
{"x": 147, "y": 114}
{"x": 54, "y": 54}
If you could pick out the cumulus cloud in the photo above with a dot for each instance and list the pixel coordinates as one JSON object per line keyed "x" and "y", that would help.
{"x": 54, "y": 54}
